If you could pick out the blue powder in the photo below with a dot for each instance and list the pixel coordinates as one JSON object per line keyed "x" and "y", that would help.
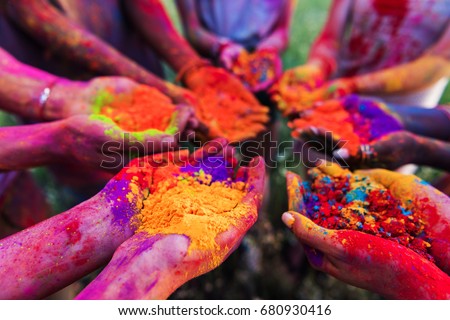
{"x": 356, "y": 194}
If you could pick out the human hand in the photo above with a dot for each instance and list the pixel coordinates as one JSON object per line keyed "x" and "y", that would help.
{"x": 153, "y": 264}
{"x": 229, "y": 54}
{"x": 367, "y": 261}
{"x": 390, "y": 151}
{"x": 258, "y": 70}
{"x": 225, "y": 106}
{"x": 68, "y": 98}
{"x": 98, "y": 141}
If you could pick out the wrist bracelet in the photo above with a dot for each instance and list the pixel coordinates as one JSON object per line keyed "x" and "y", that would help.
{"x": 43, "y": 98}
{"x": 189, "y": 67}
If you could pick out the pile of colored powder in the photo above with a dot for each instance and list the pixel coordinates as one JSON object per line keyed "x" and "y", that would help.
{"x": 354, "y": 202}
{"x": 190, "y": 202}
{"x": 229, "y": 115}
{"x": 145, "y": 108}
{"x": 255, "y": 68}
{"x": 352, "y": 119}
{"x": 293, "y": 98}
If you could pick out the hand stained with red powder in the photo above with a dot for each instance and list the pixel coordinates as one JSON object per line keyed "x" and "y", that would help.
{"x": 374, "y": 258}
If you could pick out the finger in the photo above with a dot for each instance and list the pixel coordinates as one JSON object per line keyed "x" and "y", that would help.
{"x": 311, "y": 234}
{"x": 315, "y": 257}
{"x": 181, "y": 118}
{"x": 331, "y": 169}
{"x": 255, "y": 180}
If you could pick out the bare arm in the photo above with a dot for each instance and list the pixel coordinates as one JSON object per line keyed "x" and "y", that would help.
{"x": 152, "y": 21}
{"x": 22, "y": 87}
{"x": 51, "y": 28}
{"x": 418, "y": 74}
{"x": 324, "y": 51}
{"x": 201, "y": 39}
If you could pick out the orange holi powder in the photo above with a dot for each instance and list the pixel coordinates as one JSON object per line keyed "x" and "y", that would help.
{"x": 195, "y": 207}
{"x": 329, "y": 116}
{"x": 145, "y": 108}
{"x": 255, "y": 68}
{"x": 296, "y": 98}
{"x": 228, "y": 115}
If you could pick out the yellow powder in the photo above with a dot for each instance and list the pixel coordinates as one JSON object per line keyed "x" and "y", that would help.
{"x": 192, "y": 208}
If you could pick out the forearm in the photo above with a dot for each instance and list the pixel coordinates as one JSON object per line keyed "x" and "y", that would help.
{"x": 433, "y": 153}
{"x": 154, "y": 24}
{"x": 405, "y": 78}
{"x": 22, "y": 87}
{"x": 277, "y": 40}
{"x": 55, "y": 31}
{"x": 28, "y": 146}
{"x": 149, "y": 268}
{"x": 433, "y": 123}
{"x": 56, "y": 252}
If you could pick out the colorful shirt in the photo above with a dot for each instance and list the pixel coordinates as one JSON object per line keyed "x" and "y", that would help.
{"x": 386, "y": 33}
{"x": 246, "y": 22}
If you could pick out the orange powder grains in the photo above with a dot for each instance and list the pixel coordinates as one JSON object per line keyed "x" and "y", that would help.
{"x": 229, "y": 116}
{"x": 146, "y": 108}
{"x": 255, "y": 68}
{"x": 194, "y": 207}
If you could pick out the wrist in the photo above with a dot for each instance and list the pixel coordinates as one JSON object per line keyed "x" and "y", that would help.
{"x": 191, "y": 67}
{"x": 54, "y": 97}
{"x": 220, "y": 45}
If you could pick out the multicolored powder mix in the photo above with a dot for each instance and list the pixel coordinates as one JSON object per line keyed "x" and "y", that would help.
{"x": 255, "y": 68}
{"x": 294, "y": 97}
{"x": 228, "y": 115}
{"x": 358, "y": 121}
{"x": 145, "y": 108}
{"x": 190, "y": 201}
{"x": 355, "y": 202}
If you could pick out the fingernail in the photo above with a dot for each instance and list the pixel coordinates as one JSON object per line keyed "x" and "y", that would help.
{"x": 288, "y": 219}
{"x": 342, "y": 153}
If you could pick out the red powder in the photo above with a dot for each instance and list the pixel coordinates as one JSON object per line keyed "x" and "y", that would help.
{"x": 354, "y": 202}
{"x": 145, "y": 108}
{"x": 255, "y": 68}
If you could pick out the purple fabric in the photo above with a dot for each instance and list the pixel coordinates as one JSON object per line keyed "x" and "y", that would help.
{"x": 244, "y": 21}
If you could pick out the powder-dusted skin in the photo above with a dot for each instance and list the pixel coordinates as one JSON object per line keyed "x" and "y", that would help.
{"x": 255, "y": 68}
{"x": 355, "y": 120}
{"x": 355, "y": 202}
{"x": 145, "y": 108}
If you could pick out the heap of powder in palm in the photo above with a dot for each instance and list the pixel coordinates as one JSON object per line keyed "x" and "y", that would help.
{"x": 352, "y": 119}
{"x": 192, "y": 203}
{"x": 145, "y": 108}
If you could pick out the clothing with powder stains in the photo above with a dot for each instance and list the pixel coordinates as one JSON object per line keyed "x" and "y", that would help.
{"x": 386, "y": 33}
{"x": 245, "y": 22}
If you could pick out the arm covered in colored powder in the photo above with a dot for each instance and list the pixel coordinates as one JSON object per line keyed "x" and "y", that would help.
{"x": 86, "y": 139}
{"x": 153, "y": 22}
{"x": 371, "y": 262}
{"x": 421, "y": 73}
{"x": 63, "y": 36}
{"x": 22, "y": 86}
{"x": 322, "y": 60}
{"x": 45, "y": 258}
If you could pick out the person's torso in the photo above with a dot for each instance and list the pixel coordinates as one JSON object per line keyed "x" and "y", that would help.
{"x": 104, "y": 18}
{"x": 244, "y": 21}
{"x": 386, "y": 33}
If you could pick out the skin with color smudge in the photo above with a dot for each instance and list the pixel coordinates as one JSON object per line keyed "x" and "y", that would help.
{"x": 371, "y": 262}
